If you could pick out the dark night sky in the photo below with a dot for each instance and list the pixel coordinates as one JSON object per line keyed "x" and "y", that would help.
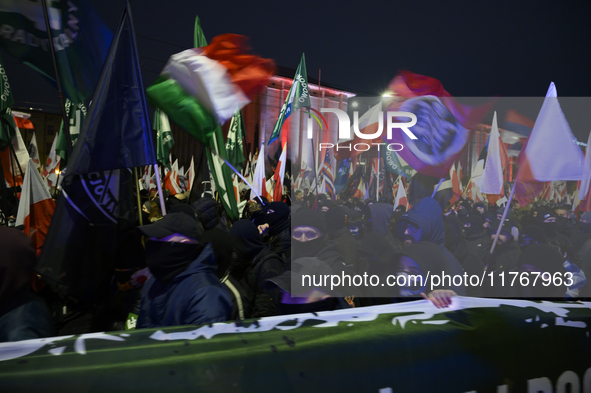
{"x": 498, "y": 48}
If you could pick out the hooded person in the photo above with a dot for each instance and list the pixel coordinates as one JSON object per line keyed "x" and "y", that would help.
{"x": 279, "y": 232}
{"x": 379, "y": 216}
{"x": 546, "y": 219}
{"x": 530, "y": 235}
{"x": 424, "y": 222}
{"x": 264, "y": 264}
{"x": 487, "y": 219}
{"x": 477, "y": 238}
{"x": 23, "y": 314}
{"x": 581, "y": 233}
{"x": 479, "y": 208}
{"x": 506, "y": 253}
{"x": 209, "y": 214}
{"x": 184, "y": 288}
{"x": 460, "y": 249}
{"x": 338, "y": 232}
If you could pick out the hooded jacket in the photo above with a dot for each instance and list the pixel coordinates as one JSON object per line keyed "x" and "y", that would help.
{"x": 428, "y": 216}
{"x": 193, "y": 297}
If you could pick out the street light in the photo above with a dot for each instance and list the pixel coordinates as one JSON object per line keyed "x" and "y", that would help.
{"x": 354, "y": 104}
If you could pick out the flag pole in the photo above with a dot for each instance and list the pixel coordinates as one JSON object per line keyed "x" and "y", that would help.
{"x": 437, "y": 188}
{"x": 466, "y": 188}
{"x": 137, "y": 192}
{"x": 239, "y": 175}
{"x": 492, "y": 249}
{"x": 156, "y": 171}
{"x": 378, "y": 177}
{"x": 60, "y": 93}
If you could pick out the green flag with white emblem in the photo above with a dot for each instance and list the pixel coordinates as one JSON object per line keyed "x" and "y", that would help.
{"x": 298, "y": 97}
{"x": 164, "y": 139}
{"x": 76, "y": 115}
{"x": 235, "y": 142}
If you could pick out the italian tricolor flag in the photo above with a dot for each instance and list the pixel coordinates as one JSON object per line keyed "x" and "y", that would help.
{"x": 202, "y": 87}
{"x": 36, "y": 206}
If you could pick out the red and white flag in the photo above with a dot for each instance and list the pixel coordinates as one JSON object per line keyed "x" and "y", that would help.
{"x": 455, "y": 184}
{"x": 190, "y": 176}
{"x": 401, "y": 198}
{"x": 259, "y": 181}
{"x": 491, "y": 182}
{"x": 52, "y": 165}
{"x": 34, "y": 151}
{"x": 36, "y": 206}
{"x": 279, "y": 175}
{"x": 549, "y": 153}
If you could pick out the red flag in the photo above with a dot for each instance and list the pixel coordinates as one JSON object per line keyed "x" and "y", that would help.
{"x": 36, "y": 207}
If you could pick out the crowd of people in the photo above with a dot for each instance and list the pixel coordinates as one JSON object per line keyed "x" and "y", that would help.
{"x": 193, "y": 266}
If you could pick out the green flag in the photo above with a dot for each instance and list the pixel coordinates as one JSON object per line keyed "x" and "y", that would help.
{"x": 235, "y": 141}
{"x": 298, "y": 97}
{"x": 7, "y": 126}
{"x": 164, "y": 139}
{"x": 222, "y": 175}
{"x": 76, "y": 115}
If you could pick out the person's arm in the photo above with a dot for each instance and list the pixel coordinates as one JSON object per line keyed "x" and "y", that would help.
{"x": 208, "y": 304}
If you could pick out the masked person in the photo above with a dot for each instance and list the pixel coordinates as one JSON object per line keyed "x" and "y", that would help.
{"x": 263, "y": 264}
{"x": 424, "y": 222}
{"x": 581, "y": 233}
{"x": 184, "y": 288}
{"x": 279, "y": 231}
{"x": 474, "y": 233}
{"x": 547, "y": 221}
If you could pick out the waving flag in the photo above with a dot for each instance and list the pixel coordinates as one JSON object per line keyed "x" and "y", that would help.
{"x": 164, "y": 139}
{"x": 203, "y": 87}
{"x": 76, "y": 115}
{"x": 298, "y": 97}
{"x": 98, "y": 188}
{"x": 235, "y": 141}
{"x": 191, "y": 174}
{"x": 280, "y": 175}
{"x": 491, "y": 181}
{"x": 34, "y": 151}
{"x": 36, "y": 206}
{"x": 52, "y": 164}
{"x": 259, "y": 180}
{"x": 401, "y": 198}
{"x": 549, "y": 153}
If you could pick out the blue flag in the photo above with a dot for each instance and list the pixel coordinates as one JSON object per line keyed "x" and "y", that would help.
{"x": 117, "y": 132}
{"x": 81, "y": 245}
{"x": 342, "y": 175}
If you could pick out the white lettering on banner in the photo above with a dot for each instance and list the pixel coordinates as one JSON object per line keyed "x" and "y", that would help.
{"x": 345, "y": 124}
{"x": 568, "y": 381}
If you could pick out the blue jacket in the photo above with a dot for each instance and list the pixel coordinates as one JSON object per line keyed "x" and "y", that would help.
{"x": 24, "y": 317}
{"x": 193, "y": 297}
{"x": 428, "y": 216}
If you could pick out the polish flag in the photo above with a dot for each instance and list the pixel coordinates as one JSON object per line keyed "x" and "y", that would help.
{"x": 280, "y": 174}
{"x": 259, "y": 176}
{"x": 549, "y": 153}
{"x": 52, "y": 164}
{"x": 401, "y": 198}
{"x": 36, "y": 206}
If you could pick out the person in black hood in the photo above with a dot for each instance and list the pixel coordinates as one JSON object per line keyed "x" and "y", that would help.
{"x": 184, "y": 288}
{"x": 279, "y": 233}
{"x": 424, "y": 222}
{"x": 475, "y": 235}
{"x": 530, "y": 235}
{"x": 505, "y": 256}
{"x": 209, "y": 213}
{"x": 581, "y": 233}
{"x": 479, "y": 208}
{"x": 547, "y": 221}
{"x": 265, "y": 265}
{"x": 460, "y": 249}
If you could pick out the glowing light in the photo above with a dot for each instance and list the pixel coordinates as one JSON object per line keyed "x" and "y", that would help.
{"x": 387, "y": 94}
{"x": 354, "y": 104}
